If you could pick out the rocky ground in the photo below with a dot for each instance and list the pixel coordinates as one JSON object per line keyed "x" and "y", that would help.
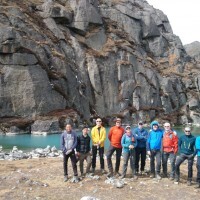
{"x": 42, "y": 178}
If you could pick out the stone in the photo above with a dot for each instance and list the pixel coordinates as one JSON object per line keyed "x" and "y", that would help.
{"x": 45, "y": 127}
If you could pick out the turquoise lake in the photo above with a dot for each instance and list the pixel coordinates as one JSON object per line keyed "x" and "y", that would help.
{"x": 29, "y": 142}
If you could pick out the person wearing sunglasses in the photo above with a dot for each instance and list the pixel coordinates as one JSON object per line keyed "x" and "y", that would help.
{"x": 186, "y": 146}
{"x": 98, "y": 135}
{"x": 170, "y": 149}
{"x": 140, "y": 151}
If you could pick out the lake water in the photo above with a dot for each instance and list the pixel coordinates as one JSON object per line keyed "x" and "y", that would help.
{"x": 28, "y": 142}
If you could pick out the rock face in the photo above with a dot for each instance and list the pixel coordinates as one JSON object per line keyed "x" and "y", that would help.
{"x": 102, "y": 58}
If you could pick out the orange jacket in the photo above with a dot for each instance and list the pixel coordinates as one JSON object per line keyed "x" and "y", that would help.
{"x": 170, "y": 142}
{"x": 115, "y": 136}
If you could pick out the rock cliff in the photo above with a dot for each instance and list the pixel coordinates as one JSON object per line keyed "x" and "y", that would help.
{"x": 74, "y": 60}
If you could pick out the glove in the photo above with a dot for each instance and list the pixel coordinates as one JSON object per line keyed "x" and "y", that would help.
{"x": 68, "y": 152}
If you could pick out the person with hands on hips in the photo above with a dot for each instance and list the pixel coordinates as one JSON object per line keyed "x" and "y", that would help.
{"x": 186, "y": 146}
{"x": 68, "y": 144}
{"x": 128, "y": 143}
{"x": 170, "y": 149}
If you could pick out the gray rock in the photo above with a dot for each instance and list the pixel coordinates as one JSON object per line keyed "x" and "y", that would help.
{"x": 89, "y": 198}
{"x": 45, "y": 127}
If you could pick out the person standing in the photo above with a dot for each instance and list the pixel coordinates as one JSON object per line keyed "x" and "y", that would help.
{"x": 83, "y": 150}
{"x": 154, "y": 142}
{"x": 197, "y": 145}
{"x": 170, "y": 149}
{"x": 68, "y": 144}
{"x": 115, "y": 136}
{"x": 186, "y": 146}
{"x": 140, "y": 150}
{"x": 129, "y": 143}
{"x": 98, "y": 135}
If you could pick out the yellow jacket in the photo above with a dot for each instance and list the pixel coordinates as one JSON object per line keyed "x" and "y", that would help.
{"x": 96, "y": 137}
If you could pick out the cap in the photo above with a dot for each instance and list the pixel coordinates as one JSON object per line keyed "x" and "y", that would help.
{"x": 187, "y": 129}
{"x": 140, "y": 123}
{"x": 118, "y": 120}
{"x": 128, "y": 127}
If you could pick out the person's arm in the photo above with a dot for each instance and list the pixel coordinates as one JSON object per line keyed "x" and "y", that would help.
{"x": 94, "y": 140}
{"x": 103, "y": 136}
{"x": 110, "y": 134}
{"x": 179, "y": 143}
{"x": 175, "y": 141}
{"x": 197, "y": 143}
{"x": 75, "y": 141}
{"x": 78, "y": 144}
{"x": 135, "y": 141}
{"x": 194, "y": 147}
{"x": 62, "y": 142}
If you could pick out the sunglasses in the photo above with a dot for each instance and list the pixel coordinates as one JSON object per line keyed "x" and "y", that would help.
{"x": 140, "y": 123}
{"x": 187, "y": 131}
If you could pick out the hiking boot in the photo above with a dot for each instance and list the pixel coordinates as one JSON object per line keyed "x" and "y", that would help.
{"x": 75, "y": 179}
{"x": 65, "y": 178}
{"x": 176, "y": 181}
{"x": 117, "y": 174}
{"x": 197, "y": 186}
{"x": 142, "y": 173}
{"x": 135, "y": 177}
{"x": 189, "y": 183}
{"x": 82, "y": 175}
{"x": 123, "y": 176}
{"x": 165, "y": 175}
{"x": 103, "y": 171}
{"x": 110, "y": 175}
{"x": 171, "y": 178}
{"x": 152, "y": 176}
{"x": 158, "y": 177}
{"x": 93, "y": 170}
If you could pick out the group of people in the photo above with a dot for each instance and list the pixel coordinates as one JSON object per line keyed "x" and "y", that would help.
{"x": 134, "y": 145}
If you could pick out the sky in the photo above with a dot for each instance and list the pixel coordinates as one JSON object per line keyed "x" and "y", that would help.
{"x": 184, "y": 17}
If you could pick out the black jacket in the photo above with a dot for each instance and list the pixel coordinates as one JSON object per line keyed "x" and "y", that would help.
{"x": 83, "y": 144}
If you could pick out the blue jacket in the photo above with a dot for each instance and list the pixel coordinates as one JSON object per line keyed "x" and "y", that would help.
{"x": 197, "y": 145}
{"x": 186, "y": 144}
{"x": 141, "y": 136}
{"x": 68, "y": 141}
{"x": 154, "y": 140}
{"x": 126, "y": 141}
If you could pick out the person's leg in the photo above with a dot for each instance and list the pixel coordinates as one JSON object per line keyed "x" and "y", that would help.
{"x": 152, "y": 163}
{"x": 132, "y": 161}
{"x": 81, "y": 160}
{"x": 143, "y": 158}
{"x": 101, "y": 154}
{"x": 118, "y": 158}
{"x": 165, "y": 156}
{"x": 94, "y": 155}
{"x": 65, "y": 163}
{"x": 73, "y": 161}
{"x": 172, "y": 158}
{"x": 125, "y": 165}
{"x": 190, "y": 169}
{"x": 179, "y": 161}
{"x": 137, "y": 158}
{"x": 89, "y": 162}
{"x": 109, "y": 158}
{"x": 158, "y": 164}
{"x": 198, "y": 171}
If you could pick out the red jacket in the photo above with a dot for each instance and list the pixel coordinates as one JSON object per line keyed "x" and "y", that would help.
{"x": 115, "y": 136}
{"x": 170, "y": 142}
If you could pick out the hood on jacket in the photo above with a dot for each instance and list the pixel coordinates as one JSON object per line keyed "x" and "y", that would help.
{"x": 154, "y": 123}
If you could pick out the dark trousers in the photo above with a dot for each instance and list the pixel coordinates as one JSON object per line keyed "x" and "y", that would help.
{"x": 94, "y": 155}
{"x": 155, "y": 154}
{"x": 140, "y": 152}
{"x": 179, "y": 161}
{"x": 172, "y": 157}
{"x": 72, "y": 156}
{"x": 87, "y": 157}
{"x": 198, "y": 169}
{"x": 110, "y": 152}
{"x": 129, "y": 156}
